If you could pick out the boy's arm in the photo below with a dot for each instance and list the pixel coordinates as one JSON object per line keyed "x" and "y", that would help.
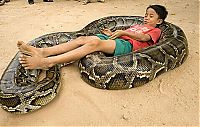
{"x": 136, "y": 36}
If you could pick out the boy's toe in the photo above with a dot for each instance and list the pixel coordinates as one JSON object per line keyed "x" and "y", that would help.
{"x": 19, "y": 43}
{"x": 22, "y": 61}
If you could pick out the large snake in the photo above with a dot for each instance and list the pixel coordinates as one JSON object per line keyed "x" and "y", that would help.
{"x": 22, "y": 91}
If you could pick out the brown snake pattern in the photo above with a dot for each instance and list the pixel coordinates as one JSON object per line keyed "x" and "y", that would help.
{"x": 21, "y": 91}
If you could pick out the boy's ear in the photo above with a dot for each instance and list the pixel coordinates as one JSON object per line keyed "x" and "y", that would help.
{"x": 160, "y": 21}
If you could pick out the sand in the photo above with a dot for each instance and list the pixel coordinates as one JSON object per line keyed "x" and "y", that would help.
{"x": 169, "y": 100}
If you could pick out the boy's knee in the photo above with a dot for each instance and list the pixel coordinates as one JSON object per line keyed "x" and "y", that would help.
{"x": 91, "y": 41}
{"x": 94, "y": 42}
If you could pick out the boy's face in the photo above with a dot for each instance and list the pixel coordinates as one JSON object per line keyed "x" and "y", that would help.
{"x": 151, "y": 18}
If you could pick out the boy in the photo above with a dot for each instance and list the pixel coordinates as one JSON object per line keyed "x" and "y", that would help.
{"x": 116, "y": 43}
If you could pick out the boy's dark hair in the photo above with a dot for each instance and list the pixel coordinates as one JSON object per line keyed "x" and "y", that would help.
{"x": 160, "y": 10}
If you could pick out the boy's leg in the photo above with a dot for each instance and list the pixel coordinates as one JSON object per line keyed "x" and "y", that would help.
{"x": 57, "y": 49}
{"x": 106, "y": 46}
{"x": 65, "y": 47}
{"x": 95, "y": 44}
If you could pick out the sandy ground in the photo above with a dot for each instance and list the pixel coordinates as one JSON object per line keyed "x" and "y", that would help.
{"x": 170, "y": 100}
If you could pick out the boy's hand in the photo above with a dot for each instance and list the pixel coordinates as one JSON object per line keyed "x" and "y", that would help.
{"x": 107, "y": 32}
{"x": 116, "y": 34}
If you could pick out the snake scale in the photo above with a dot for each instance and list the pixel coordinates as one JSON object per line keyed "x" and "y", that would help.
{"x": 21, "y": 91}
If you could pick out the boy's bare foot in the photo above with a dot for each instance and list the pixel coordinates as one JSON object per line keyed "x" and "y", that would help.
{"x": 34, "y": 62}
{"x": 29, "y": 50}
{"x": 31, "y": 57}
